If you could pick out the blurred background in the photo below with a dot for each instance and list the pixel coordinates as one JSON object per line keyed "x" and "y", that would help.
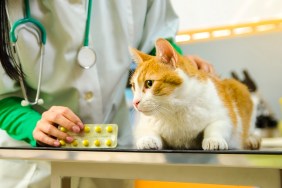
{"x": 237, "y": 36}
{"x": 196, "y": 14}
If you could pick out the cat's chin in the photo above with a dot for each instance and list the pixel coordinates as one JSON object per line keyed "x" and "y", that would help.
{"x": 146, "y": 112}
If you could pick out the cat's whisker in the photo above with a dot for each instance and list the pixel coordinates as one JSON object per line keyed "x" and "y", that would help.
{"x": 150, "y": 106}
{"x": 162, "y": 109}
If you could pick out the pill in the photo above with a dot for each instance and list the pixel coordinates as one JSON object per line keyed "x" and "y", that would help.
{"x": 98, "y": 129}
{"x": 62, "y": 142}
{"x": 108, "y": 142}
{"x": 109, "y": 129}
{"x": 97, "y": 143}
{"x": 74, "y": 143}
{"x": 86, "y": 129}
{"x": 85, "y": 143}
{"x": 63, "y": 129}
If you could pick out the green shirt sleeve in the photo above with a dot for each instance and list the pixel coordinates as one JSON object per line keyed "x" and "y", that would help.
{"x": 18, "y": 121}
{"x": 175, "y": 46}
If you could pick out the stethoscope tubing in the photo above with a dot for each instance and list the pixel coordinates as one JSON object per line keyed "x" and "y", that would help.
{"x": 88, "y": 23}
{"x": 42, "y": 33}
{"x": 37, "y": 100}
{"x": 86, "y": 64}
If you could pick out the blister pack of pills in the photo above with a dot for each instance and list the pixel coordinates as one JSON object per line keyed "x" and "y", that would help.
{"x": 93, "y": 136}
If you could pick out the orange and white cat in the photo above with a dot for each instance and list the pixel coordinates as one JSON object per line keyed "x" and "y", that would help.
{"x": 182, "y": 107}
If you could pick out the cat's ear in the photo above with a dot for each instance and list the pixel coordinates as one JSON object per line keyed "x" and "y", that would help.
{"x": 166, "y": 53}
{"x": 138, "y": 56}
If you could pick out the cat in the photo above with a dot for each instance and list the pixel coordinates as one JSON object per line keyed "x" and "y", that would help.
{"x": 181, "y": 107}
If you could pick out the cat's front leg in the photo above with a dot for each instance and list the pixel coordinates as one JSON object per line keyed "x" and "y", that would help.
{"x": 149, "y": 142}
{"x": 146, "y": 134}
{"x": 216, "y": 136}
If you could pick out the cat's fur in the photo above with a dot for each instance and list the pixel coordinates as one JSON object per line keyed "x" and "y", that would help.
{"x": 181, "y": 107}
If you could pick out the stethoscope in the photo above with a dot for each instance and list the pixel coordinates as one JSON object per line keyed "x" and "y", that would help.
{"x": 86, "y": 57}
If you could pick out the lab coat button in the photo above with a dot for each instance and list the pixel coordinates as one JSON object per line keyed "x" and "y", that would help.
{"x": 88, "y": 96}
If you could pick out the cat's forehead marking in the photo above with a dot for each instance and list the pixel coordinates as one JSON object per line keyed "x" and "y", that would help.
{"x": 146, "y": 68}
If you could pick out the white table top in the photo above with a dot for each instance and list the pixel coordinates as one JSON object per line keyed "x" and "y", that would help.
{"x": 267, "y": 158}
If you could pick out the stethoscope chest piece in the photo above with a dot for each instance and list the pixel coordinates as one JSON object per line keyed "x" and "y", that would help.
{"x": 86, "y": 57}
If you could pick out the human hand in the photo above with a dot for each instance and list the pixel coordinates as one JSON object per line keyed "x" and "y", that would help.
{"x": 46, "y": 131}
{"x": 201, "y": 64}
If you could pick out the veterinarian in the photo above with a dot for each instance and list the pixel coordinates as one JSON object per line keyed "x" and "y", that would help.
{"x": 69, "y": 65}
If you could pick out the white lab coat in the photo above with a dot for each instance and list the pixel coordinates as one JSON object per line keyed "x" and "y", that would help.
{"x": 115, "y": 26}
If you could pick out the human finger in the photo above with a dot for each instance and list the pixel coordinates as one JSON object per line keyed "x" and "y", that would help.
{"x": 43, "y": 138}
{"x": 54, "y": 118}
{"x": 46, "y": 130}
{"x": 191, "y": 60}
{"x": 201, "y": 64}
{"x": 65, "y": 117}
{"x": 49, "y": 134}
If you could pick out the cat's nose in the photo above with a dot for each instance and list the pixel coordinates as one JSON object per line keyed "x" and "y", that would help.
{"x": 136, "y": 102}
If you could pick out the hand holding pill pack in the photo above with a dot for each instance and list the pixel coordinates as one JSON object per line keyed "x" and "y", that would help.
{"x": 92, "y": 136}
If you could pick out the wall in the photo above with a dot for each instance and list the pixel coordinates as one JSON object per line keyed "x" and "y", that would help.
{"x": 195, "y": 14}
{"x": 260, "y": 54}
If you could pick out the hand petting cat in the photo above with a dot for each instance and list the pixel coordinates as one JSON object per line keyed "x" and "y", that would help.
{"x": 201, "y": 64}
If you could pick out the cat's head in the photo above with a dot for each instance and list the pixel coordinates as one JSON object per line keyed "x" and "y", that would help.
{"x": 156, "y": 78}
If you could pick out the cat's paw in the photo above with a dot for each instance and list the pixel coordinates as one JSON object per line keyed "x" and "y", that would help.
{"x": 253, "y": 142}
{"x": 214, "y": 144}
{"x": 149, "y": 142}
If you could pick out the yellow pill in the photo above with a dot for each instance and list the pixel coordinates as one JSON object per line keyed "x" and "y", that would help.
{"x": 62, "y": 142}
{"x": 109, "y": 129}
{"x": 108, "y": 142}
{"x": 97, "y": 143}
{"x": 86, "y": 129}
{"x": 98, "y": 129}
{"x": 85, "y": 143}
{"x": 74, "y": 143}
{"x": 63, "y": 129}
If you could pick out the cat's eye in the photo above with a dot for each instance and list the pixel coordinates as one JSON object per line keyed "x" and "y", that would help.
{"x": 148, "y": 84}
